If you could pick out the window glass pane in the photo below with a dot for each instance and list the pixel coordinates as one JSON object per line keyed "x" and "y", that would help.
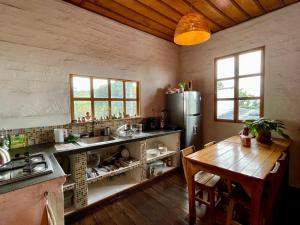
{"x": 225, "y": 89}
{"x": 100, "y": 88}
{"x": 116, "y": 108}
{"x": 249, "y": 86}
{"x": 81, "y": 108}
{"x": 101, "y": 109}
{"x": 249, "y": 109}
{"x": 250, "y": 63}
{"x": 116, "y": 89}
{"x": 225, "y": 110}
{"x": 225, "y": 68}
{"x": 130, "y": 89}
{"x": 131, "y": 108}
{"x": 81, "y": 87}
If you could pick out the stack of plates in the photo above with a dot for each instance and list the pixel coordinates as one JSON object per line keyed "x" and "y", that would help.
{"x": 151, "y": 153}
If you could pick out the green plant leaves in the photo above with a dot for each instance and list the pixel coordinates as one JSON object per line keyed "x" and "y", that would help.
{"x": 264, "y": 125}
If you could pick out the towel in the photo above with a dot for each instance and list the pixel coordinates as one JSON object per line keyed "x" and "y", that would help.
{"x": 50, "y": 215}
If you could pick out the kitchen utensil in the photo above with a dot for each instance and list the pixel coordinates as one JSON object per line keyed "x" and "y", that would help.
{"x": 125, "y": 153}
{"x": 93, "y": 160}
{"x": 60, "y": 134}
{"x": 162, "y": 149}
{"x": 155, "y": 168}
{"x": 152, "y": 153}
{"x": 107, "y": 131}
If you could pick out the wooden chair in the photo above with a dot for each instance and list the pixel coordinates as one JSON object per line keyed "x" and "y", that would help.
{"x": 238, "y": 197}
{"x": 204, "y": 182}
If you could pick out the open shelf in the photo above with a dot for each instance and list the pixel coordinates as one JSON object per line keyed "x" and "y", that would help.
{"x": 164, "y": 170}
{"x": 69, "y": 184}
{"x": 113, "y": 173}
{"x": 161, "y": 156}
{"x": 69, "y": 210}
{"x": 108, "y": 187}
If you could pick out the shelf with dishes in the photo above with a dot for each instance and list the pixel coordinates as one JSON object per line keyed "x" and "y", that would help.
{"x": 107, "y": 171}
{"x": 104, "y": 172}
{"x": 155, "y": 154}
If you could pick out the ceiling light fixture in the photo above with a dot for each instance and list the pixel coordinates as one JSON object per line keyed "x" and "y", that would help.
{"x": 191, "y": 29}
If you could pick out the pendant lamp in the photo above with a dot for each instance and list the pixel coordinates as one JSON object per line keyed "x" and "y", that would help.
{"x": 191, "y": 29}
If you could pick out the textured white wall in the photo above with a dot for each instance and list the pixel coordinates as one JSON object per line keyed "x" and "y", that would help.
{"x": 280, "y": 33}
{"x": 43, "y": 41}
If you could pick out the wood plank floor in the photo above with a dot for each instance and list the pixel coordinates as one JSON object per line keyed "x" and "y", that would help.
{"x": 163, "y": 203}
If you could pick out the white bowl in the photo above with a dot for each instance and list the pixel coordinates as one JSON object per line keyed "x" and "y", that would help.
{"x": 152, "y": 153}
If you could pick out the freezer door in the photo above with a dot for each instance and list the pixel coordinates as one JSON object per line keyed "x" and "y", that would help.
{"x": 192, "y": 102}
{"x": 193, "y": 131}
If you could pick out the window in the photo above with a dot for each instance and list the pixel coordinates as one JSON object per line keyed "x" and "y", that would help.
{"x": 103, "y": 98}
{"x": 239, "y": 86}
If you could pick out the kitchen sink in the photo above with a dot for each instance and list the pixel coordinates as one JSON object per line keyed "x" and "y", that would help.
{"x": 95, "y": 140}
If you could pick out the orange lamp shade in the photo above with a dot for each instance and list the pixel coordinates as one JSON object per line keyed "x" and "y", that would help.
{"x": 191, "y": 29}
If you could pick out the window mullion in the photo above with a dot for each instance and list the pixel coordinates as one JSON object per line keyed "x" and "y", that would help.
{"x": 92, "y": 97}
{"x": 236, "y": 87}
{"x": 124, "y": 98}
{"x": 109, "y": 98}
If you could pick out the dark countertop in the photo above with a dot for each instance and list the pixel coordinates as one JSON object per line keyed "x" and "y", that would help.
{"x": 57, "y": 170}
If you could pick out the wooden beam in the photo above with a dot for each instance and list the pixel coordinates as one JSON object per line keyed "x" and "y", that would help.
{"x": 288, "y": 2}
{"x": 162, "y": 8}
{"x": 131, "y": 15}
{"x": 213, "y": 13}
{"x": 182, "y": 7}
{"x": 148, "y": 12}
{"x": 251, "y": 7}
{"x": 230, "y": 8}
{"x": 124, "y": 20}
{"x": 270, "y": 5}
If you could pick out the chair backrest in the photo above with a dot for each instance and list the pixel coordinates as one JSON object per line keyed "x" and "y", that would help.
{"x": 185, "y": 152}
{"x": 209, "y": 144}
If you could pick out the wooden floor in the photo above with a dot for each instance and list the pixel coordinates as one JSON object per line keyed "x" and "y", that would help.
{"x": 163, "y": 203}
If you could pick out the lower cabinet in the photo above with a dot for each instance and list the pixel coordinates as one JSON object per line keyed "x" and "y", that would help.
{"x": 99, "y": 174}
{"x": 28, "y": 205}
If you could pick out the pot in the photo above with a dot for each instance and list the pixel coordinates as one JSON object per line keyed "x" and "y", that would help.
{"x": 264, "y": 137}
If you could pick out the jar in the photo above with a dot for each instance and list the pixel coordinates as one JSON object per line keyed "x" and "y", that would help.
{"x": 246, "y": 140}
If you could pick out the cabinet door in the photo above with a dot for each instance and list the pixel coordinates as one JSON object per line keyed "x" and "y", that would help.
{"x": 27, "y": 205}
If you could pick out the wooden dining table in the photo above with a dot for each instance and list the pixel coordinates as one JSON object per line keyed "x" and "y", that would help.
{"x": 249, "y": 166}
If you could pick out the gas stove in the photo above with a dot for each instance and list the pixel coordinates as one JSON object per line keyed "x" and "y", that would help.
{"x": 25, "y": 166}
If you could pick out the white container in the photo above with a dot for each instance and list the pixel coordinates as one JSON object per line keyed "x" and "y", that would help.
{"x": 60, "y": 134}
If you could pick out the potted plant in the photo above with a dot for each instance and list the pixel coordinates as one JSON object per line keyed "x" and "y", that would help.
{"x": 261, "y": 128}
{"x": 181, "y": 86}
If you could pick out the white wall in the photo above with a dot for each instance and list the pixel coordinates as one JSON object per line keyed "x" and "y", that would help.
{"x": 43, "y": 41}
{"x": 279, "y": 32}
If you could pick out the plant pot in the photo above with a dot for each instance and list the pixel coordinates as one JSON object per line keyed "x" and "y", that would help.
{"x": 264, "y": 138}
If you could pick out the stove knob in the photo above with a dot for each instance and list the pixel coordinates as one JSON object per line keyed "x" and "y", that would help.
{"x": 17, "y": 155}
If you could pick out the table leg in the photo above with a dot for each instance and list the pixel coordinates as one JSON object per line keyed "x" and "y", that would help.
{"x": 256, "y": 197}
{"x": 191, "y": 191}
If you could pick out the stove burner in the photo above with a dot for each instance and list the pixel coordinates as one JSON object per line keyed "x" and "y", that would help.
{"x": 25, "y": 166}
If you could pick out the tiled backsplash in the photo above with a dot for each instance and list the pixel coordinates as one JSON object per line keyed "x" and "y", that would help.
{"x": 40, "y": 135}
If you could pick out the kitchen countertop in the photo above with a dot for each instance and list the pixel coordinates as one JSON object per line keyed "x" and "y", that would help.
{"x": 57, "y": 170}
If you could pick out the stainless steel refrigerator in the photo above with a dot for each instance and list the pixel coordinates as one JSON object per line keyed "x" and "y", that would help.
{"x": 184, "y": 111}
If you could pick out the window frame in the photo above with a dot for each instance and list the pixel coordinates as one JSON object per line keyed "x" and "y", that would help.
{"x": 92, "y": 99}
{"x": 235, "y": 78}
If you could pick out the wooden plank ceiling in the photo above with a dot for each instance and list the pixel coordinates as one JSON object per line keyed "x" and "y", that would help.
{"x": 159, "y": 17}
